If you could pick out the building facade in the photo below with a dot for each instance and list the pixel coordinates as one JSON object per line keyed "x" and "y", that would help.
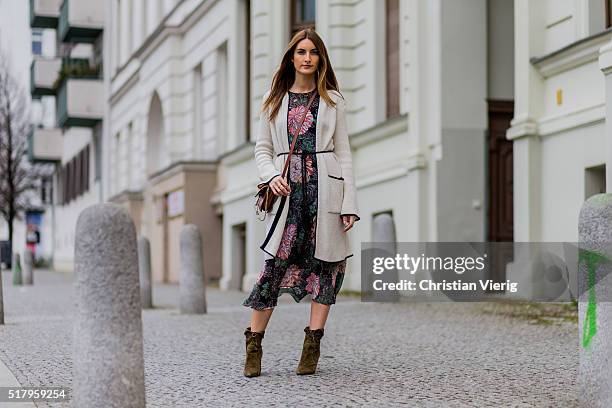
{"x": 469, "y": 120}
{"x": 558, "y": 130}
{"x": 66, "y": 79}
{"x": 423, "y": 82}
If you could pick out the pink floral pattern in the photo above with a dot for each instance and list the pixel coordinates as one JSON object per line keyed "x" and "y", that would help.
{"x": 313, "y": 285}
{"x": 292, "y": 276}
{"x": 294, "y": 117}
{"x": 260, "y": 278}
{"x": 309, "y": 167}
{"x": 287, "y": 240}
{"x": 295, "y": 168}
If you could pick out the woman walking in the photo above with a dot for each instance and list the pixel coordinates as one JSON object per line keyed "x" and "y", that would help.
{"x": 306, "y": 242}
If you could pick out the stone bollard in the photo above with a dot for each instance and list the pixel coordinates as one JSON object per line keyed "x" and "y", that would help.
{"x": 192, "y": 284}
{"x": 16, "y": 267}
{"x": 384, "y": 237}
{"x": 144, "y": 269}
{"x": 28, "y": 267}
{"x": 108, "y": 363}
{"x": 594, "y": 305}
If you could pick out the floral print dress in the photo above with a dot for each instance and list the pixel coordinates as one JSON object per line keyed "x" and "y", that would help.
{"x": 294, "y": 269}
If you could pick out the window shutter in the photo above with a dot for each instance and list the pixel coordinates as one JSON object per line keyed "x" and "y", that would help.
{"x": 78, "y": 174}
{"x": 393, "y": 60}
{"x": 86, "y": 169}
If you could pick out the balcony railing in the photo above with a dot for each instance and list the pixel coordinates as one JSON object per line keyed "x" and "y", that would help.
{"x": 45, "y": 145}
{"x": 80, "y": 21}
{"x": 43, "y": 75}
{"x": 44, "y": 13}
{"x": 77, "y": 68}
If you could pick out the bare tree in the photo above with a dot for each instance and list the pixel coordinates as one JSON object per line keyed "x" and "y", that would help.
{"x": 17, "y": 176}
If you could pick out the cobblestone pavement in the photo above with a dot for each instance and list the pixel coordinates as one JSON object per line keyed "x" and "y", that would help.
{"x": 379, "y": 355}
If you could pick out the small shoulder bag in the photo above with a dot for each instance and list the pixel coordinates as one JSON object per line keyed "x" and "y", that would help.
{"x": 265, "y": 196}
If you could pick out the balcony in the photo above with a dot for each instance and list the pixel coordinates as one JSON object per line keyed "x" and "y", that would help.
{"x": 80, "y": 93}
{"x": 80, "y": 102}
{"x": 44, "y": 13}
{"x": 45, "y": 145}
{"x": 80, "y": 21}
{"x": 43, "y": 74}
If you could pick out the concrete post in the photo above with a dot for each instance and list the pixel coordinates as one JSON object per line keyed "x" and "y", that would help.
{"x": 192, "y": 284}
{"x": 594, "y": 305}
{"x": 384, "y": 237}
{"x": 383, "y": 229}
{"x": 144, "y": 269}
{"x": 16, "y": 267}
{"x": 28, "y": 267}
{"x": 108, "y": 363}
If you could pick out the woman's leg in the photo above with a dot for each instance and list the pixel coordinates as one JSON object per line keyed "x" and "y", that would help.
{"x": 318, "y": 315}
{"x": 259, "y": 319}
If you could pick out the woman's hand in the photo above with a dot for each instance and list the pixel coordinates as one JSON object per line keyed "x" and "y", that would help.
{"x": 348, "y": 221}
{"x": 279, "y": 186}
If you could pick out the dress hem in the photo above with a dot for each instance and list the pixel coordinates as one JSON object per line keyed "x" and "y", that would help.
{"x": 295, "y": 297}
{"x": 314, "y": 257}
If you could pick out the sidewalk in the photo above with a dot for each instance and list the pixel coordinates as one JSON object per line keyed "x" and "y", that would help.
{"x": 379, "y": 355}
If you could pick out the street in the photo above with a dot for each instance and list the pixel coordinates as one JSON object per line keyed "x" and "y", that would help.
{"x": 379, "y": 355}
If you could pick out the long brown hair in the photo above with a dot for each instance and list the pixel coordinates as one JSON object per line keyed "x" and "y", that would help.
{"x": 285, "y": 74}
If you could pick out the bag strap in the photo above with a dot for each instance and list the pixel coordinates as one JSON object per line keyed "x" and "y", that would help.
{"x": 297, "y": 132}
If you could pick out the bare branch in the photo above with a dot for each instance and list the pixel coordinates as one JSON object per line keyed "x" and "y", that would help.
{"x": 18, "y": 177}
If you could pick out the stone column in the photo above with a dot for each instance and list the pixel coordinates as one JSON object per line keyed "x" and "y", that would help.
{"x": 144, "y": 268}
{"x": 28, "y": 267}
{"x": 108, "y": 363}
{"x": 16, "y": 267}
{"x": 595, "y": 306}
{"x": 192, "y": 284}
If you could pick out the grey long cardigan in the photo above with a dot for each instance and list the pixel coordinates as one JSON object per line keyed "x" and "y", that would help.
{"x": 336, "y": 187}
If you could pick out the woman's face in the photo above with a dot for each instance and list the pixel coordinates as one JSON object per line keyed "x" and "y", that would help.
{"x": 306, "y": 57}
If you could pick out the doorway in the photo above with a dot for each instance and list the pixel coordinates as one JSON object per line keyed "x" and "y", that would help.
{"x": 500, "y": 214}
{"x": 500, "y": 217}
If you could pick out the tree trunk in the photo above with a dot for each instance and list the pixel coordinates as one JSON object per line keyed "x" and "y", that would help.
{"x": 10, "y": 237}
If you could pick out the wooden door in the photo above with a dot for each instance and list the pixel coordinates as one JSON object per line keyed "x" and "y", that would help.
{"x": 500, "y": 167}
{"x": 500, "y": 188}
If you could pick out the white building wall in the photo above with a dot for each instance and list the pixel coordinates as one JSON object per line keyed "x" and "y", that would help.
{"x": 500, "y": 50}
{"x": 75, "y": 139}
{"x": 168, "y": 69}
{"x": 558, "y": 128}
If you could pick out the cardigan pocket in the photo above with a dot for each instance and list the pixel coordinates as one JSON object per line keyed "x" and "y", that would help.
{"x": 336, "y": 194}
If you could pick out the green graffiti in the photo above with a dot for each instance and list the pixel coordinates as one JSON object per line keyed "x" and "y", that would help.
{"x": 589, "y": 328}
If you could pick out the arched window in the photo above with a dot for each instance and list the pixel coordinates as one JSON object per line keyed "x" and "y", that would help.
{"x": 156, "y": 156}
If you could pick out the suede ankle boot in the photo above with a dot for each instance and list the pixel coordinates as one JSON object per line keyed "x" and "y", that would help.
{"x": 254, "y": 351}
{"x": 310, "y": 351}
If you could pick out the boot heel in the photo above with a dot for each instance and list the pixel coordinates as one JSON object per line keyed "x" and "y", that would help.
{"x": 310, "y": 351}
{"x": 254, "y": 352}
